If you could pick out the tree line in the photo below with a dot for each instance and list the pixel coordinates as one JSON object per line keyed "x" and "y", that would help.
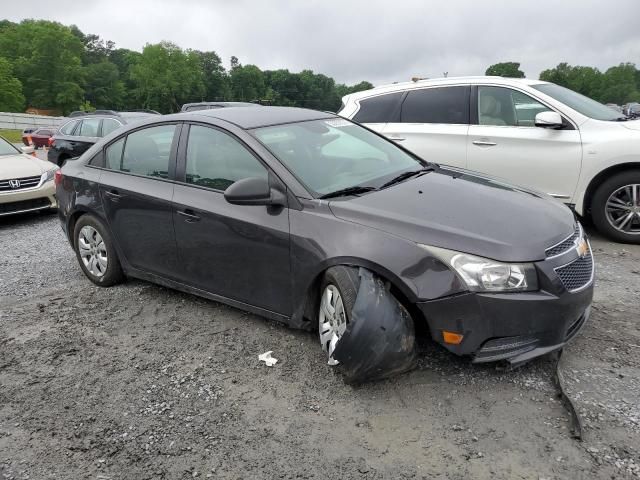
{"x": 619, "y": 84}
{"x": 50, "y": 66}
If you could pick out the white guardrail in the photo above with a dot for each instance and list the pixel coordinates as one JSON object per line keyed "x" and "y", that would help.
{"x": 20, "y": 121}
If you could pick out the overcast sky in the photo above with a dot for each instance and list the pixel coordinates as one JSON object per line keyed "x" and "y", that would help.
{"x": 379, "y": 41}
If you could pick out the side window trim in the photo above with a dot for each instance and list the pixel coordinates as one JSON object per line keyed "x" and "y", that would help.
{"x": 171, "y": 173}
{"x": 569, "y": 125}
{"x": 181, "y": 164}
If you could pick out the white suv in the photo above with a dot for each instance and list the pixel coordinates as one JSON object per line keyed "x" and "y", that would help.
{"x": 528, "y": 132}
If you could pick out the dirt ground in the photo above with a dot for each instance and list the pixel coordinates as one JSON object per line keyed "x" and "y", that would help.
{"x": 141, "y": 382}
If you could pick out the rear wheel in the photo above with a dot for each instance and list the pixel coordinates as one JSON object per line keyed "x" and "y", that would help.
{"x": 338, "y": 292}
{"x": 615, "y": 208}
{"x": 95, "y": 252}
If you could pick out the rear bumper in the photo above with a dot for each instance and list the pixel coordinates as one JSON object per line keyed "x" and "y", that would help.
{"x": 28, "y": 200}
{"x": 512, "y": 326}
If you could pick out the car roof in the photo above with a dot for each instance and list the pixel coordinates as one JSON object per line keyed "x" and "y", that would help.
{"x": 476, "y": 80}
{"x": 259, "y": 116}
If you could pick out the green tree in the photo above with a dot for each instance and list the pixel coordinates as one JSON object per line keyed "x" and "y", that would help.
{"x": 166, "y": 77}
{"x": 11, "y": 97}
{"x": 619, "y": 84}
{"x": 506, "y": 69}
{"x": 247, "y": 83}
{"x": 104, "y": 89}
{"x": 47, "y": 60}
{"x": 216, "y": 82}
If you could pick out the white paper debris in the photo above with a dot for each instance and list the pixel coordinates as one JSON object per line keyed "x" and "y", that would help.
{"x": 267, "y": 358}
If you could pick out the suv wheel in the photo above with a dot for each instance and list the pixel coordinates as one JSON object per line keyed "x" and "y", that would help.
{"x": 616, "y": 207}
{"x": 95, "y": 252}
{"x": 338, "y": 294}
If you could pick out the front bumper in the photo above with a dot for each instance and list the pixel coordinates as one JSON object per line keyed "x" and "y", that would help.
{"x": 510, "y": 326}
{"x": 28, "y": 200}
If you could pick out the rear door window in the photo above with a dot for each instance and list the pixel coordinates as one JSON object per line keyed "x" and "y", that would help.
{"x": 380, "y": 109}
{"x": 109, "y": 125}
{"x": 90, "y": 127}
{"x": 437, "y": 105}
{"x": 67, "y": 128}
{"x": 146, "y": 152}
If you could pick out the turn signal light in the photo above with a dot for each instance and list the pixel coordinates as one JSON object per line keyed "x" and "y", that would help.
{"x": 452, "y": 338}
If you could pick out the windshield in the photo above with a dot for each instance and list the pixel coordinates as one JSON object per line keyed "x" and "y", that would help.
{"x": 586, "y": 106}
{"x": 333, "y": 154}
{"x": 6, "y": 148}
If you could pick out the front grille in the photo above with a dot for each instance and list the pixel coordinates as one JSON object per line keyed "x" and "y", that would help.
{"x": 577, "y": 274}
{"x": 566, "y": 244}
{"x": 13, "y": 207}
{"x": 26, "y": 182}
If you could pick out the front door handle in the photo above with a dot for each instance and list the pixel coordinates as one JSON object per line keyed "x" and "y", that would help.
{"x": 395, "y": 138}
{"x": 189, "y": 215}
{"x": 484, "y": 143}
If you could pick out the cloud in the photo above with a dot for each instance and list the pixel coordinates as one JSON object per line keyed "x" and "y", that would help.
{"x": 373, "y": 40}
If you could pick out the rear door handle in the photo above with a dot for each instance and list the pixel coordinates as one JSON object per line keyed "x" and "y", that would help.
{"x": 395, "y": 138}
{"x": 113, "y": 195}
{"x": 484, "y": 143}
{"x": 189, "y": 215}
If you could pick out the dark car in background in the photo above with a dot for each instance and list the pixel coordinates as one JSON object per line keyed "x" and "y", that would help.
{"x": 193, "y": 107}
{"x": 288, "y": 212}
{"x": 39, "y": 136}
{"x": 83, "y": 129}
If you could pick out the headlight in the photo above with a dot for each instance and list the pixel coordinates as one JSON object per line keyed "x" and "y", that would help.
{"x": 485, "y": 275}
{"x": 48, "y": 175}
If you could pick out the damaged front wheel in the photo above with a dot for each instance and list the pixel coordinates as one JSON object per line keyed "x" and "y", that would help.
{"x": 339, "y": 290}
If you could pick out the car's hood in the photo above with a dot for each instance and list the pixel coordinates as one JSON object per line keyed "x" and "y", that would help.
{"x": 464, "y": 212}
{"x": 632, "y": 124}
{"x": 22, "y": 165}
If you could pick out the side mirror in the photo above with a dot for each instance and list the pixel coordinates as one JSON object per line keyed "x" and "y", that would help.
{"x": 254, "y": 191}
{"x": 549, "y": 120}
{"x": 28, "y": 150}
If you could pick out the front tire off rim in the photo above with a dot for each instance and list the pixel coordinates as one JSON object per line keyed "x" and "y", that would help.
{"x": 332, "y": 320}
{"x": 623, "y": 209}
{"x": 93, "y": 251}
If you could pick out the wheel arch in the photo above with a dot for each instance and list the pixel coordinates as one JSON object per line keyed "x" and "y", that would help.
{"x": 309, "y": 296}
{"x": 600, "y": 178}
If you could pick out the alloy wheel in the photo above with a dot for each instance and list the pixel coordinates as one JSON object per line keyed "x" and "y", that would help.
{"x": 93, "y": 251}
{"x": 623, "y": 209}
{"x": 332, "y": 320}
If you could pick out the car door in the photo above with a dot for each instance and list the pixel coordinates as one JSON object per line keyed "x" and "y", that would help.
{"x": 136, "y": 191}
{"x": 504, "y": 142}
{"x": 240, "y": 252}
{"x": 433, "y": 123}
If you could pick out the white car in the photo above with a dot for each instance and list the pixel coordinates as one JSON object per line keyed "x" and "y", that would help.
{"x": 527, "y": 132}
{"x": 26, "y": 182}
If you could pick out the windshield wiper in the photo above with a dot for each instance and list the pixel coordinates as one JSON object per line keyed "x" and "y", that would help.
{"x": 348, "y": 191}
{"x": 622, "y": 119}
{"x": 405, "y": 175}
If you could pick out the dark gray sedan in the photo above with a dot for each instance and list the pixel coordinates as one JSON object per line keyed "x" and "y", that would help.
{"x": 307, "y": 218}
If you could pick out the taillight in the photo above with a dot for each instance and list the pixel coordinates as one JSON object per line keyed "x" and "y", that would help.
{"x": 52, "y": 141}
{"x": 58, "y": 177}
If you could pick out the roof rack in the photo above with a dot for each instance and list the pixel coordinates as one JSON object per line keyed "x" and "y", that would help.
{"x": 80, "y": 113}
{"x": 143, "y": 110}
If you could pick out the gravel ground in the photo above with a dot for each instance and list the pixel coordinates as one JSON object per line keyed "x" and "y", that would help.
{"x": 141, "y": 382}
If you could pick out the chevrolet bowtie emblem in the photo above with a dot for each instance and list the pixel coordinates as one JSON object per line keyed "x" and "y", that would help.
{"x": 582, "y": 248}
